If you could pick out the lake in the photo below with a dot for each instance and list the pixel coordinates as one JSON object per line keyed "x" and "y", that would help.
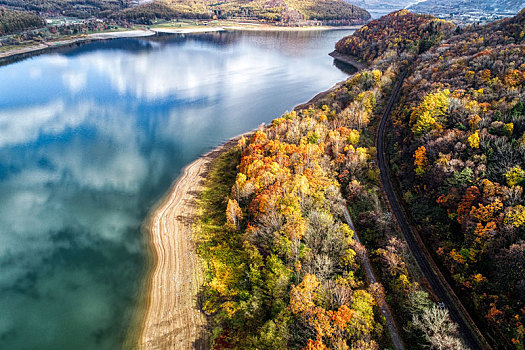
{"x": 91, "y": 137}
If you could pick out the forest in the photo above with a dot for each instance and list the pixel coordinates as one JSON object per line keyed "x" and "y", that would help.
{"x": 12, "y": 21}
{"x": 283, "y": 11}
{"x": 291, "y": 10}
{"x": 145, "y": 14}
{"x": 282, "y": 264}
{"x": 71, "y": 8}
{"x": 399, "y": 35}
{"x": 458, "y": 152}
{"x": 283, "y": 270}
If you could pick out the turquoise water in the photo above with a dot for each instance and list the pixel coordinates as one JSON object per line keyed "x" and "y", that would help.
{"x": 91, "y": 137}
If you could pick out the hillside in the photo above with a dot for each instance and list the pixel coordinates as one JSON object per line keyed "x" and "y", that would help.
{"x": 284, "y": 269}
{"x": 380, "y": 37}
{"x": 283, "y": 11}
{"x": 162, "y": 10}
{"x": 458, "y": 152}
{"x": 14, "y": 21}
{"x": 71, "y": 8}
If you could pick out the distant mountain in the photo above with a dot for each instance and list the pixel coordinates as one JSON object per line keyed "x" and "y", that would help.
{"x": 474, "y": 8}
{"x": 378, "y": 8}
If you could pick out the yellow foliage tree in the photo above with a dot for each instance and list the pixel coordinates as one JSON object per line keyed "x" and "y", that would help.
{"x": 486, "y": 212}
{"x": 473, "y": 140}
{"x": 474, "y": 121}
{"x": 516, "y": 216}
{"x": 425, "y": 117}
{"x": 515, "y": 176}
{"x": 362, "y": 321}
{"x": 482, "y": 232}
{"x": 353, "y": 137}
{"x": 421, "y": 160}
{"x": 509, "y": 129}
{"x": 302, "y": 297}
{"x": 457, "y": 257}
{"x": 242, "y": 143}
{"x": 377, "y": 75}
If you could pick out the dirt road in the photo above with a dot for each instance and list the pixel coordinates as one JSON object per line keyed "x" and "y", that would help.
{"x": 383, "y": 306}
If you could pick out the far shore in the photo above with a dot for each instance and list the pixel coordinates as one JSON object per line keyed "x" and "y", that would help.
{"x": 258, "y": 27}
{"x": 19, "y": 53}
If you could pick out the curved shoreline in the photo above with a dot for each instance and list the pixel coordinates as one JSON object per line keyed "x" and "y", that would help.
{"x": 172, "y": 318}
{"x": 16, "y": 55}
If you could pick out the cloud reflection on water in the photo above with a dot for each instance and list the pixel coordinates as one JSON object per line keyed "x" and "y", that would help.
{"x": 90, "y": 138}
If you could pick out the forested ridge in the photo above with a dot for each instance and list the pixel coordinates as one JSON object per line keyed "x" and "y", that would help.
{"x": 163, "y": 9}
{"x": 282, "y": 268}
{"x": 23, "y": 17}
{"x": 397, "y": 36}
{"x": 458, "y": 151}
{"x": 72, "y": 8}
{"x": 281, "y": 11}
{"x": 281, "y": 262}
{"x": 15, "y": 21}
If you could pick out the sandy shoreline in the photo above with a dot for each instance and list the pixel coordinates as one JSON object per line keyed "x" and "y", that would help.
{"x": 172, "y": 318}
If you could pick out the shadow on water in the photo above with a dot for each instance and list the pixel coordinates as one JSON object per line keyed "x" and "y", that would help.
{"x": 295, "y": 41}
{"x": 155, "y": 42}
{"x": 345, "y": 67}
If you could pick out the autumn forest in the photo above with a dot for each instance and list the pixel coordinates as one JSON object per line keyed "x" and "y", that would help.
{"x": 388, "y": 212}
{"x": 283, "y": 266}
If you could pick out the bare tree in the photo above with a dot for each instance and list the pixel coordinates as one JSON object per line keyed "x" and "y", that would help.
{"x": 438, "y": 329}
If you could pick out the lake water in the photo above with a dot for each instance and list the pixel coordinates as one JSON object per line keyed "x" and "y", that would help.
{"x": 91, "y": 138}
